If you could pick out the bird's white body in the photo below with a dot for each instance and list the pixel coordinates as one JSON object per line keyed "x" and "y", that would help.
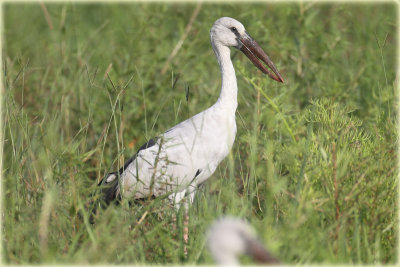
{"x": 196, "y": 145}
{"x": 188, "y": 154}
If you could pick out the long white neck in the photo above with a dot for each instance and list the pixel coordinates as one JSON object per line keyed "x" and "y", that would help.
{"x": 228, "y": 96}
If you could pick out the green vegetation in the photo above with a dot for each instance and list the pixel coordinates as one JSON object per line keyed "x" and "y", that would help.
{"x": 313, "y": 167}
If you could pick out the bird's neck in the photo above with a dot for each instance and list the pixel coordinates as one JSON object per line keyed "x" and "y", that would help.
{"x": 228, "y": 96}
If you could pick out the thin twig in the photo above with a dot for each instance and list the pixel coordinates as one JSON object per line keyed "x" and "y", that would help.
{"x": 107, "y": 71}
{"x": 348, "y": 197}
{"x": 184, "y": 36}
{"x": 335, "y": 183}
{"x": 142, "y": 218}
{"x": 380, "y": 50}
{"x": 46, "y": 15}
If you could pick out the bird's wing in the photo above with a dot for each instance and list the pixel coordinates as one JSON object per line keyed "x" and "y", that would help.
{"x": 173, "y": 162}
{"x": 186, "y": 154}
{"x": 110, "y": 181}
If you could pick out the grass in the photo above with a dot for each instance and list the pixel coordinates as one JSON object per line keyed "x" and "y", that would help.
{"x": 313, "y": 167}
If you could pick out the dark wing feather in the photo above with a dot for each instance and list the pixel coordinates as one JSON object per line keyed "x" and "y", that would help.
{"x": 109, "y": 192}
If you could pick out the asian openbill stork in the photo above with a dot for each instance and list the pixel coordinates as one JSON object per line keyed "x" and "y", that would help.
{"x": 186, "y": 155}
{"x": 229, "y": 237}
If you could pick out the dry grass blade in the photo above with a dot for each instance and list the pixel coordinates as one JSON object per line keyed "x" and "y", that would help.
{"x": 46, "y": 15}
{"x": 184, "y": 36}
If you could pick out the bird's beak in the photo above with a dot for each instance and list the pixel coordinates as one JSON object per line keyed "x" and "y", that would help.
{"x": 255, "y": 53}
{"x": 259, "y": 253}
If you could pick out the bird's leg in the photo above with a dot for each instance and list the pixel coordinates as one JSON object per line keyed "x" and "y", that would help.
{"x": 176, "y": 199}
{"x": 192, "y": 194}
{"x": 185, "y": 231}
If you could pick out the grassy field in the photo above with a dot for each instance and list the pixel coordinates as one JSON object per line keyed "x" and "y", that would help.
{"x": 313, "y": 167}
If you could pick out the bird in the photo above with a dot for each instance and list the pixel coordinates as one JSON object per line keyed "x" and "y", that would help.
{"x": 230, "y": 237}
{"x": 176, "y": 162}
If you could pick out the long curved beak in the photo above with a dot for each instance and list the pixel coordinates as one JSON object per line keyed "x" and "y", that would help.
{"x": 259, "y": 253}
{"x": 255, "y": 53}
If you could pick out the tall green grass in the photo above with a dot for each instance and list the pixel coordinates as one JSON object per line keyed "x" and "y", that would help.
{"x": 313, "y": 167}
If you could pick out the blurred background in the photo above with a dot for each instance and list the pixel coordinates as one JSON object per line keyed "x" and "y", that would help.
{"x": 313, "y": 167}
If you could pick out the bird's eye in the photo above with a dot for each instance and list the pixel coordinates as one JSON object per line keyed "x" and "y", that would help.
{"x": 234, "y": 29}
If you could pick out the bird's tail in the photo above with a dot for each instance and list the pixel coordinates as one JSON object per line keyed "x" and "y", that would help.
{"x": 110, "y": 188}
{"x": 109, "y": 191}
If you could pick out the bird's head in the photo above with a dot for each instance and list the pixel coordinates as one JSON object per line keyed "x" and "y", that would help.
{"x": 230, "y": 237}
{"x": 227, "y": 31}
{"x": 231, "y": 33}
